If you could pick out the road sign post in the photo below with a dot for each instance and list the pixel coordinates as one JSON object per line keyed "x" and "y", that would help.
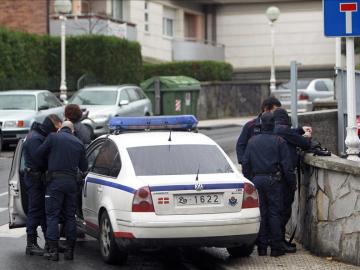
{"x": 342, "y": 19}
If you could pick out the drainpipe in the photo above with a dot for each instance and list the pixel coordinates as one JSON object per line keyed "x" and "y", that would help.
{"x": 213, "y": 24}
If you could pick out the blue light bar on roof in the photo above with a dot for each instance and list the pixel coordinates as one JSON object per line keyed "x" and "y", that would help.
{"x": 176, "y": 122}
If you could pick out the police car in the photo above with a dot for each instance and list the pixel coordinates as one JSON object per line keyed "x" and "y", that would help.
{"x": 156, "y": 187}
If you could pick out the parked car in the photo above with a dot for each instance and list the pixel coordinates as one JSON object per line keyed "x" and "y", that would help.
{"x": 153, "y": 189}
{"x": 309, "y": 91}
{"x": 104, "y": 102}
{"x": 20, "y": 108}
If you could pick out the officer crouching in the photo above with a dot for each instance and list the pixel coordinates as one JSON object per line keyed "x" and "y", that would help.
{"x": 34, "y": 174}
{"x": 267, "y": 157}
{"x": 66, "y": 154}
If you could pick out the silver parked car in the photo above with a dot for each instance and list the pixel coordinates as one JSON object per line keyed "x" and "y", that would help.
{"x": 104, "y": 102}
{"x": 309, "y": 91}
{"x": 20, "y": 108}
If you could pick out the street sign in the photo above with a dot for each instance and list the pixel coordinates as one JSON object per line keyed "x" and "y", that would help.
{"x": 341, "y": 18}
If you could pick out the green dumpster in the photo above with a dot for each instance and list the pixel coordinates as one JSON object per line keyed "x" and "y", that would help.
{"x": 172, "y": 94}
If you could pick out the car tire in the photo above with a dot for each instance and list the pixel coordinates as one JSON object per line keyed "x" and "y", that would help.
{"x": 110, "y": 252}
{"x": 242, "y": 251}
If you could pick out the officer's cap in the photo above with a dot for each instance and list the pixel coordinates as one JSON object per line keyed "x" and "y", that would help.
{"x": 267, "y": 121}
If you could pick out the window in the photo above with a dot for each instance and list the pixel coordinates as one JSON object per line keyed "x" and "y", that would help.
{"x": 117, "y": 9}
{"x": 133, "y": 95}
{"x": 146, "y": 16}
{"x": 48, "y": 100}
{"x": 124, "y": 95}
{"x": 94, "y": 97}
{"x": 140, "y": 93}
{"x": 17, "y": 102}
{"x": 168, "y": 22}
{"x": 92, "y": 156}
{"x": 108, "y": 161}
{"x": 178, "y": 160}
{"x": 321, "y": 86}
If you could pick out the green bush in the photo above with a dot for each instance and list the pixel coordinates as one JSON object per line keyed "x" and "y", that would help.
{"x": 200, "y": 70}
{"x": 29, "y": 61}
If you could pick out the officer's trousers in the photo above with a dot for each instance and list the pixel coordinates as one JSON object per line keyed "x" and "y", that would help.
{"x": 271, "y": 204}
{"x": 35, "y": 191}
{"x": 289, "y": 195}
{"x": 60, "y": 199}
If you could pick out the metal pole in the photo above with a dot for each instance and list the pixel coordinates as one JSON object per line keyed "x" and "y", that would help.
{"x": 352, "y": 140}
{"x": 157, "y": 96}
{"x": 338, "y": 53}
{"x": 272, "y": 75}
{"x": 63, "y": 88}
{"x": 294, "y": 99}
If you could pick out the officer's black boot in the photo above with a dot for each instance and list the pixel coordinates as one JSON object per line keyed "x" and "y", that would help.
{"x": 53, "y": 253}
{"x": 32, "y": 247}
{"x": 277, "y": 252}
{"x": 69, "y": 251}
{"x": 288, "y": 248}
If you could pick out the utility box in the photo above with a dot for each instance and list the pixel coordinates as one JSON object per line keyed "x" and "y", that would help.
{"x": 171, "y": 95}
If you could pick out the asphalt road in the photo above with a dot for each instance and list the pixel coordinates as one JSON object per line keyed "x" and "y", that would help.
{"x": 12, "y": 243}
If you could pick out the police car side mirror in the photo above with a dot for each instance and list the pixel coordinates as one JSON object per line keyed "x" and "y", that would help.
{"x": 123, "y": 102}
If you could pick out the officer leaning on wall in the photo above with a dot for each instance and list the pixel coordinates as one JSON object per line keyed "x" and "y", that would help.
{"x": 266, "y": 157}
{"x": 295, "y": 138}
{"x": 34, "y": 174}
{"x": 66, "y": 155}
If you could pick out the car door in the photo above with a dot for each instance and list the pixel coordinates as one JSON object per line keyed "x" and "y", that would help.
{"x": 17, "y": 193}
{"x": 124, "y": 106}
{"x": 137, "y": 106}
{"x": 100, "y": 158}
{"x": 47, "y": 104}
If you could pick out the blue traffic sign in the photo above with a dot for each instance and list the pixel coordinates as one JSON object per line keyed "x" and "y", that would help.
{"x": 341, "y": 18}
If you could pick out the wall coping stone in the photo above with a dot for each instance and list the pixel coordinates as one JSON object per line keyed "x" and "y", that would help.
{"x": 333, "y": 163}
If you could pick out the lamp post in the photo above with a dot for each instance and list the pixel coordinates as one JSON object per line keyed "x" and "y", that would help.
{"x": 272, "y": 14}
{"x": 63, "y": 7}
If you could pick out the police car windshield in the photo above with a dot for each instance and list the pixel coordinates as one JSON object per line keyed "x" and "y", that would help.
{"x": 96, "y": 97}
{"x": 178, "y": 160}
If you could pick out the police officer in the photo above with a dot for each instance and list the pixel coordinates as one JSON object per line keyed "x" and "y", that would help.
{"x": 74, "y": 114}
{"x": 34, "y": 173}
{"x": 253, "y": 126}
{"x": 66, "y": 154}
{"x": 294, "y": 138}
{"x": 266, "y": 157}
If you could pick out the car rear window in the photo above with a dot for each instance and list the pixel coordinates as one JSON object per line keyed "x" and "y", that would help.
{"x": 17, "y": 102}
{"x": 301, "y": 84}
{"x": 95, "y": 97}
{"x": 178, "y": 160}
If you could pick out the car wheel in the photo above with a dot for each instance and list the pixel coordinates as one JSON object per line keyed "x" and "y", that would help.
{"x": 242, "y": 251}
{"x": 109, "y": 250}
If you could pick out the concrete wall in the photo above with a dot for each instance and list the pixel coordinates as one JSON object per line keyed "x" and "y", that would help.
{"x": 188, "y": 50}
{"x": 328, "y": 223}
{"x": 244, "y": 30}
{"x": 230, "y": 99}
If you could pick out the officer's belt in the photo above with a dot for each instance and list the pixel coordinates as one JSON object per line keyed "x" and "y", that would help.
{"x": 56, "y": 174}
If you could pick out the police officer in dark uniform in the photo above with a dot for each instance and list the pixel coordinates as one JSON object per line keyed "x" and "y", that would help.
{"x": 253, "y": 126}
{"x": 66, "y": 155}
{"x": 266, "y": 157}
{"x": 295, "y": 138}
{"x": 34, "y": 173}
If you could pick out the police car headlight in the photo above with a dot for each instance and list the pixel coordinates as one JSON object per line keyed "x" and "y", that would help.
{"x": 13, "y": 124}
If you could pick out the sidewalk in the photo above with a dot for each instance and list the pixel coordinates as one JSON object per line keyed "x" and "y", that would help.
{"x": 225, "y": 122}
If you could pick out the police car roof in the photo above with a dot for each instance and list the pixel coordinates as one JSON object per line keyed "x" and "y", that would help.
{"x": 134, "y": 139}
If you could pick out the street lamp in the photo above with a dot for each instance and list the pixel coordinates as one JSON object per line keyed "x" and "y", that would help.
{"x": 63, "y": 7}
{"x": 272, "y": 14}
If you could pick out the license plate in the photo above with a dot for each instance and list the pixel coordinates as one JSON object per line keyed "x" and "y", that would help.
{"x": 198, "y": 199}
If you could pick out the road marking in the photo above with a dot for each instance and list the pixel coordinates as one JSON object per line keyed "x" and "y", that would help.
{"x": 3, "y": 194}
{"x": 13, "y": 233}
{"x": 3, "y": 209}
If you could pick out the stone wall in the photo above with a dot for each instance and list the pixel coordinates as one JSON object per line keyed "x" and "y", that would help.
{"x": 230, "y": 99}
{"x": 328, "y": 222}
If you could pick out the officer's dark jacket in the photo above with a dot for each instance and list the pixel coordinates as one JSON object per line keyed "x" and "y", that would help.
{"x": 82, "y": 133}
{"x": 294, "y": 140}
{"x": 32, "y": 142}
{"x": 266, "y": 153}
{"x": 64, "y": 151}
{"x": 250, "y": 129}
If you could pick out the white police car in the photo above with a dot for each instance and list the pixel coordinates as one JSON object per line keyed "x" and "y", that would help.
{"x": 159, "y": 188}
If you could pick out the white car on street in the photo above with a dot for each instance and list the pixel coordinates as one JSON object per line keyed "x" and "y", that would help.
{"x": 158, "y": 188}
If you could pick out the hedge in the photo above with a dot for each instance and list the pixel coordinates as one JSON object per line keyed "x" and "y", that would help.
{"x": 29, "y": 61}
{"x": 200, "y": 70}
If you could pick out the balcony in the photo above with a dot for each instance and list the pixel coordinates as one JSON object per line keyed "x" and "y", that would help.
{"x": 193, "y": 49}
{"x": 94, "y": 24}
